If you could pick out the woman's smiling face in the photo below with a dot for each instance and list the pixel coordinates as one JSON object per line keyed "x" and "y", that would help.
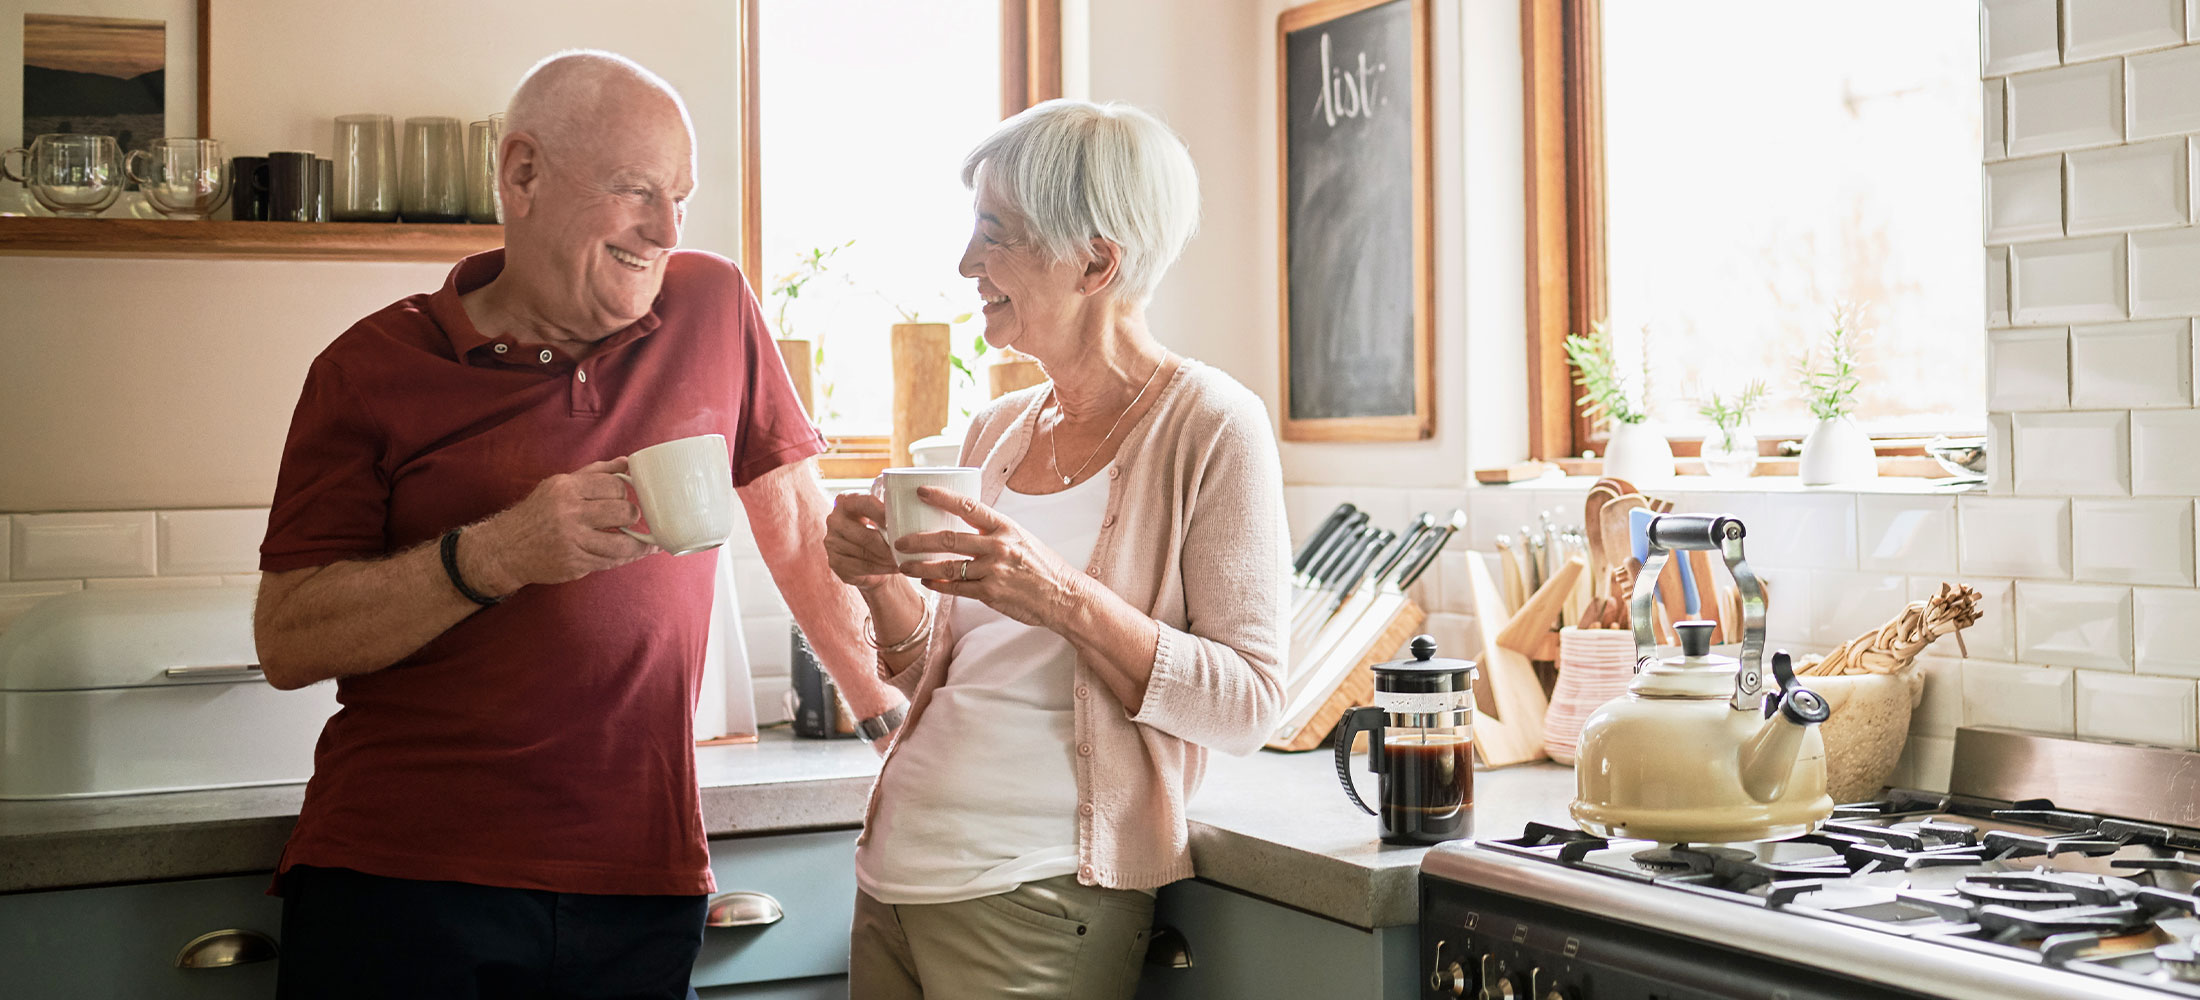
{"x": 1029, "y": 297}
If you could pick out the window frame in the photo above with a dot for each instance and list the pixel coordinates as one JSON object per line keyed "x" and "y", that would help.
{"x": 1031, "y": 71}
{"x": 1562, "y": 70}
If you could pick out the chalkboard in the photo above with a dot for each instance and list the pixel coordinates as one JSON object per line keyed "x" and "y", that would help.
{"x": 1357, "y": 295}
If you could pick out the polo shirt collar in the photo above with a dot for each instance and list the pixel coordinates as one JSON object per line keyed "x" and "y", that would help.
{"x": 479, "y": 269}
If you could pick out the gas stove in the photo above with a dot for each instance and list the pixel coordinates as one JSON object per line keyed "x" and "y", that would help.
{"x": 1919, "y": 894}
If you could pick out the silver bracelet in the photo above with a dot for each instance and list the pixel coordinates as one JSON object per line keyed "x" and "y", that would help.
{"x": 924, "y": 628}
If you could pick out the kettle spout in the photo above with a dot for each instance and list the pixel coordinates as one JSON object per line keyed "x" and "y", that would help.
{"x": 1768, "y": 758}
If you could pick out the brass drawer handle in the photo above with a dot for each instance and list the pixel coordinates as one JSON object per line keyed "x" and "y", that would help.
{"x": 743, "y": 909}
{"x": 224, "y": 948}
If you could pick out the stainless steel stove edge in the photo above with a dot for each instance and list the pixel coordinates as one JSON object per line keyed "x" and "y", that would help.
{"x": 1952, "y": 973}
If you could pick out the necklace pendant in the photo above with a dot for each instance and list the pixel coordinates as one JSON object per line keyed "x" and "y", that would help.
{"x": 1065, "y": 479}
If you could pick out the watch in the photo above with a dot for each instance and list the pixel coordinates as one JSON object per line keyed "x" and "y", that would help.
{"x": 880, "y": 726}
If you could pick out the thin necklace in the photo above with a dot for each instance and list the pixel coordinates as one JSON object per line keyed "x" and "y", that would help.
{"x": 1054, "y": 454}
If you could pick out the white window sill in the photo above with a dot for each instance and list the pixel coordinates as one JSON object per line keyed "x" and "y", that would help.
{"x": 1774, "y": 485}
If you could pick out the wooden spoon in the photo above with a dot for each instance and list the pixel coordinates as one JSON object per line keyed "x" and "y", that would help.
{"x": 1592, "y": 525}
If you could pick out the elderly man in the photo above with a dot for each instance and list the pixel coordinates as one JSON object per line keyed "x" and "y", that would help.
{"x": 506, "y": 804}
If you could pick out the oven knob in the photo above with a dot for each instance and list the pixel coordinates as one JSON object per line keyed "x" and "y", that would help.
{"x": 1451, "y": 980}
{"x": 1560, "y": 993}
{"x": 1546, "y": 989}
{"x": 1510, "y": 987}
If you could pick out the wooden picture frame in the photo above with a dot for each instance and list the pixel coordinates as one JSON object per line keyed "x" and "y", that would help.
{"x": 184, "y": 27}
{"x": 1358, "y": 352}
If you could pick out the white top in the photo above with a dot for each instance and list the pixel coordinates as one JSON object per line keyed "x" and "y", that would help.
{"x": 983, "y": 796}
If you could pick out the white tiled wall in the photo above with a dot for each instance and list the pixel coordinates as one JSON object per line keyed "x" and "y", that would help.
{"x": 42, "y": 555}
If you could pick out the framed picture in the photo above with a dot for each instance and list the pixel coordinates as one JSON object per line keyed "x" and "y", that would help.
{"x": 1357, "y": 274}
{"x": 132, "y": 69}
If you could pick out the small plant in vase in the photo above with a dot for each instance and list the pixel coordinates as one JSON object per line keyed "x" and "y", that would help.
{"x": 1732, "y": 450}
{"x": 1636, "y": 450}
{"x": 805, "y": 358}
{"x": 1837, "y": 450}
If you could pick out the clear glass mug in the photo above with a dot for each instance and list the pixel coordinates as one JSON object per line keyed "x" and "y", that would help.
{"x": 181, "y": 178}
{"x": 366, "y": 169}
{"x": 433, "y": 188}
{"x": 69, "y": 174}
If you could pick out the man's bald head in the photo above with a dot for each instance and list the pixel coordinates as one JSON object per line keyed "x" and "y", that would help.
{"x": 573, "y": 99}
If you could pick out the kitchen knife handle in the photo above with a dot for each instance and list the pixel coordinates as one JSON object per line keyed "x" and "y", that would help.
{"x": 1328, "y": 527}
{"x": 1434, "y": 542}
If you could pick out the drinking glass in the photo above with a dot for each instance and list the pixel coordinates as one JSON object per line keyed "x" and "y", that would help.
{"x": 432, "y": 188}
{"x": 181, "y": 178}
{"x": 69, "y": 174}
{"x": 481, "y": 173}
{"x": 366, "y": 169}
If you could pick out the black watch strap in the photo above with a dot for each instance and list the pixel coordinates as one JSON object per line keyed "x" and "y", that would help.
{"x": 450, "y": 569}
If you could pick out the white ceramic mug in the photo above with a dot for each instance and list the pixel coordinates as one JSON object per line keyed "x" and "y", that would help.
{"x": 907, "y": 515}
{"x": 686, "y": 489}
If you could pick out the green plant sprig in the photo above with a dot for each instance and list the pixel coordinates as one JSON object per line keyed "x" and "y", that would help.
{"x": 1728, "y": 413}
{"x": 1604, "y": 390}
{"x": 809, "y": 265}
{"x": 1831, "y": 390}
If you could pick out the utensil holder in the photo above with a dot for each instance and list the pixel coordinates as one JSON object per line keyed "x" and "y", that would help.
{"x": 1594, "y": 667}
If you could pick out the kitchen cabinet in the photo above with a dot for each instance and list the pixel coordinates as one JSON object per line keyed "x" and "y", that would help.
{"x": 123, "y": 941}
{"x": 1245, "y": 946}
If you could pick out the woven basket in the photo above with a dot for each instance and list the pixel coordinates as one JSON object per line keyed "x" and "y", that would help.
{"x": 1868, "y": 728}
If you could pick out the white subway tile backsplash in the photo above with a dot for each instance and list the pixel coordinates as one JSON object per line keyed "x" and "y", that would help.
{"x": 1913, "y": 534}
{"x": 1994, "y": 635}
{"x": 2014, "y": 536}
{"x": 1805, "y": 530}
{"x": 768, "y": 643}
{"x": 1788, "y": 608}
{"x": 2166, "y": 631}
{"x": 2147, "y": 363}
{"x": 1927, "y": 762}
{"x": 2074, "y": 625}
{"x": 2159, "y": 710}
{"x": 240, "y": 579}
{"x": 2162, "y": 269}
{"x": 1847, "y": 605}
{"x": 2040, "y": 699}
{"x": 754, "y": 590}
{"x": 2001, "y": 477}
{"x": 151, "y": 582}
{"x": 2073, "y": 107}
{"x": 2085, "y": 453}
{"x": 2028, "y": 369}
{"x": 2017, "y": 35}
{"x": 2024, "y": 199}
{"x": 211, "y": 541}
{"x": 16, "y": 598}
{"x": 1455, "y": 635}
{"x": 2140, "y": 186}
{"x": 1450, "y": 590}
{"x": 2093, "y": 29}
{"x": 1494, "y": 511}
{"x": 65, "y": 546}
{"x": 2164, "y": 98}
{"x": 1939, "y": 709}
{"x": 2165, "y": 453}
{"x": 1997, "y": 286}
{"x": 2132, "y": 541}
{"x": 2068, "y": 281}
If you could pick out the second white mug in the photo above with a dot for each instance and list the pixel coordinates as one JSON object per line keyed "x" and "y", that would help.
{"x": 686, "y": 489}
{"x": 907, "y": 515}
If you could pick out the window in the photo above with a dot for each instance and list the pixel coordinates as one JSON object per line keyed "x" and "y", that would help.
{"x": 1728, "y": 172}
{"x": 860, "y": 118}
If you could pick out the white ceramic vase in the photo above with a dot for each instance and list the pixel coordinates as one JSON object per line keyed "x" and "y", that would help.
{"x": 1837, "y": 451}
{"x": 1731, "y": 455}
{"x": 1638, "y": 453}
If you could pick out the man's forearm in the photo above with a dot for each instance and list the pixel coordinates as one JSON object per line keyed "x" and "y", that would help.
{"x": 350, "y": 618}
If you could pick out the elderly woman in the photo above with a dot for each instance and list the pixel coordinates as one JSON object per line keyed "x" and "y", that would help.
{"x": 1115, "y": 615}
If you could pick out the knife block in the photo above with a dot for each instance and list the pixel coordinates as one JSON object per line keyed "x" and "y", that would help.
{"x": 1358, "y": 686}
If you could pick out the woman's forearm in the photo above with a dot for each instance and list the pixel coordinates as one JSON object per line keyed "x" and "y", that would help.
{"x": 897, "y": 613}
{"x": 1113, "y": 638}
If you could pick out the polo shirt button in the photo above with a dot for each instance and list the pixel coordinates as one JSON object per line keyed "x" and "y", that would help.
{"x": 501, "y": 348}
{"x": 1085, "y": 809}
{"x": 1083, "y": 691}
{"x": 582, "y": 375}
{"x": 544, "y": 357}
{"x": 1084, "y": 749}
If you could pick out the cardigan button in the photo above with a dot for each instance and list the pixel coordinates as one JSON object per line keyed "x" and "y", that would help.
{"x": 1108, "y": 521}
{"x": 1085, "y": 871}
{"x": 1092, "y": 571}
{"x": 1084, "y": 749}
{"x": 1085, "y": 809}
{"x": 1083, "y": 691}
{"x": 1115, "y": 473}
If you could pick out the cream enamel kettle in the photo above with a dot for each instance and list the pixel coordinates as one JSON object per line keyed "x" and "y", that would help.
{"x": 1701, "y": 750}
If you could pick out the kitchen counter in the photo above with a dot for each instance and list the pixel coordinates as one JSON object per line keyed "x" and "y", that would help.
{"x": 777, "y": 784}
{"x": 1278, "y": 826}
{"x": 1272, "y": 825}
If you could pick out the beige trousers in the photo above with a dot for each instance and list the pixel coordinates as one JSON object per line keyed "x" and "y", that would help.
{"x": 1052, "y": 939}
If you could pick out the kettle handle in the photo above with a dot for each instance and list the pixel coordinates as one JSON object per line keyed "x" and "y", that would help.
{"x": 1370, "y": 719}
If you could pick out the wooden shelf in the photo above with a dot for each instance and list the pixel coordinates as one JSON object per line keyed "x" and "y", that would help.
{"x": 209, "y": 239}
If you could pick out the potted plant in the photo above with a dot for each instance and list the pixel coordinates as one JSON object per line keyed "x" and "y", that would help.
{"x": 1636, "y": 450}
{"x": 1837, "y": 450}
{"x": 1732, "y": 450}
{"x": 924, "y": 358}
{"x": 805, "y": 358}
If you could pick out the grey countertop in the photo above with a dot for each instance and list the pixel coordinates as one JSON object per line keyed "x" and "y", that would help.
{"x": 1272, "y": 825}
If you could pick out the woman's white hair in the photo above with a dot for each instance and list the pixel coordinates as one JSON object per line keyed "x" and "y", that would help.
{"x": 1074, "y": 170}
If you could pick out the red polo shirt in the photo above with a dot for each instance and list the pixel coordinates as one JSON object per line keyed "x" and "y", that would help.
{"x": 546, "y": 742}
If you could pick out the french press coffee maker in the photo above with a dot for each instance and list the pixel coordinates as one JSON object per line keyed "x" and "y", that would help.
{"x": 1420, "y": 746}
